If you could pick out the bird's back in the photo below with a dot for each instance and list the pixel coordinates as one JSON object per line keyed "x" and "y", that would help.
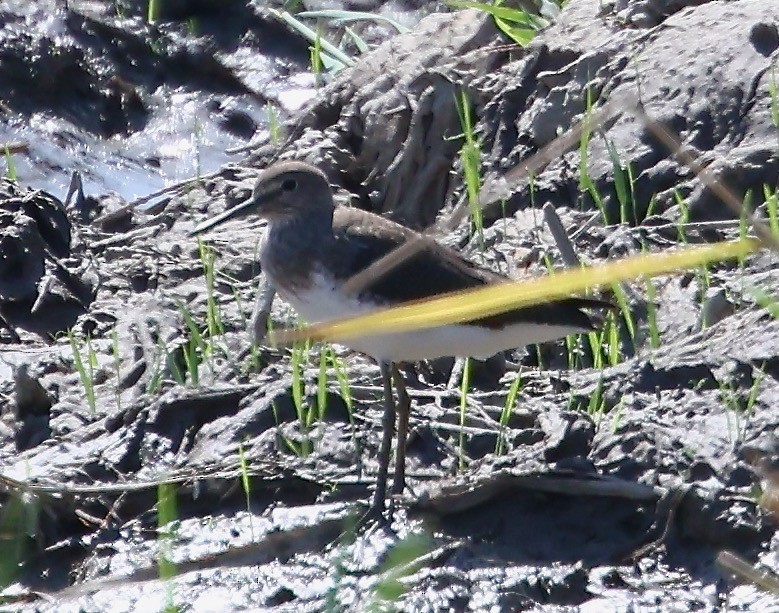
{"x": 362, "y": 238}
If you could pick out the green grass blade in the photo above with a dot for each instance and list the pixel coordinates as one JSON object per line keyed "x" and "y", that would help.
{"x": 465, "y": 386}
{"x": 167, "y": 516}
{"x": 246, "y": 484}
{"x": 328, "y": 48}
{"x": 338, "y": 15}
{"x": 651, "y": 307}
{"x": 621, "y": 182}
{"x": 765, "y": 300}
{"x": 507, "y": 13}
{"x": 470, "y": 157}
{"x": 505, "y": 414}
{"x": 19, "y": 518}
{"x": 321, "y": 385}
{"x": 85, "y": 375}
{"x": 153, "y": 10}
{"x": 358, "y": 40}
{"x": 772, "y": 209}
{"x": 624, "y": 309}
{"x": 10, "y": 166}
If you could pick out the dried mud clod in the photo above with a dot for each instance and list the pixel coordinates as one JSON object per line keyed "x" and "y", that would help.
{"x": 45, "y": 281}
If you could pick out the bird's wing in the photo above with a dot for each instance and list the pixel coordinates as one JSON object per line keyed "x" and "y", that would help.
{"x": 363, "y": 238}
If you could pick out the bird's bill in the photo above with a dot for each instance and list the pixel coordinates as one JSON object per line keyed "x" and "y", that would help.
{"x": 248, "y": 206}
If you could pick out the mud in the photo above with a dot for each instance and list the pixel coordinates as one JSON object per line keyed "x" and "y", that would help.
{"x": 613, "y": 485}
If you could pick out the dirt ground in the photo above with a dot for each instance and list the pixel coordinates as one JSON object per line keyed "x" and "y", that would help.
{"x": 151, "y": 459}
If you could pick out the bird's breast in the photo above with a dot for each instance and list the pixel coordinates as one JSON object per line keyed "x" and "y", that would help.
{"x": 287, "y": 259}
{"x": 319, "y": 299}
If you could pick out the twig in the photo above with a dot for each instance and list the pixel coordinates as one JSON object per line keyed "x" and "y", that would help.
{"x": 280, "y": 546}
{"x": 722, "y": 191}
{"x": 564, "y": 244}
{"x": 458, "y": 498}
{"x": 764, "y": 578}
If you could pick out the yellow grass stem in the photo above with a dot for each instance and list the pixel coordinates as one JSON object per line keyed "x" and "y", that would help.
{"x": 499, "y": 298}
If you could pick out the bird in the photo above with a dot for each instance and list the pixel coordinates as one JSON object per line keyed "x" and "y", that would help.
{"x": 312, "y": 247}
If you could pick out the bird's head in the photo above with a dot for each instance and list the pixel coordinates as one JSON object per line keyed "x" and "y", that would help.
{"x": 283, "y": 191}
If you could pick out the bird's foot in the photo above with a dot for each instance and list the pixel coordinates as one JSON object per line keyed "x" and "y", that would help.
{"x": 375, "y": 516}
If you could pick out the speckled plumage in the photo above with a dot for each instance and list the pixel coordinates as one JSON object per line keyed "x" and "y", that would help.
{"x": 311, "y": 248}
{"x": 310, "y": 240}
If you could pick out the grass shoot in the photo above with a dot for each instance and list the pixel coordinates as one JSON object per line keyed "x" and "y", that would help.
{"x": 274, "y": 124}
{"x": 331, "y": 57}
{"x": 19, "y": 525}
{"x": 596, "y": 405}
{"x": 505, "y": 414}
{"x": 470, "y": 158}
{"x": 317, "y": 64}
{"x": 214, "y": 325}
{"x": 765, "y": 300}
{"x": 299, "y": 359}
{"x": 10, "y": 166}
{"x": 153, "y": 11}
{"x": 623, "y": 185}
{"x": 400, "y": 563}
{"x": 651, "y": 314}
{"x": 518, "y": 24}
{"x": 194, "y": 347}
{"x": 246, "y": 484}
{"x": 586, "y": 184}
{"x": 772, "y": 209}
{"x": 85, "y": 366}
{"x": 464, "y": 387}
{"x": 740, "y": 410}
{"x": 167, "y": 516}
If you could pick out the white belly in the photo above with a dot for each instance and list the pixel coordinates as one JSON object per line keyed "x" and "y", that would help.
{"x": 321, "y": 303}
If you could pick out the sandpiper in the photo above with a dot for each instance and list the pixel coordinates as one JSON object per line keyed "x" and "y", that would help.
{"x": 312, "y": 247}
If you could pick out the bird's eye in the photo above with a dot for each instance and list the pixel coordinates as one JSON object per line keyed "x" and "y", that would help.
{"x": 289, "y": 184}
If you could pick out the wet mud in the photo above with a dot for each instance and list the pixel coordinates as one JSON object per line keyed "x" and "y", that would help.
{"x": 127, "y": 378}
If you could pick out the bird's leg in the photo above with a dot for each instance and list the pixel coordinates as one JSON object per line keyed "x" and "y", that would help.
{"x": 388, "y": 428}
{"x": 404, "y": 410}
{"x": 257, "y": 327}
